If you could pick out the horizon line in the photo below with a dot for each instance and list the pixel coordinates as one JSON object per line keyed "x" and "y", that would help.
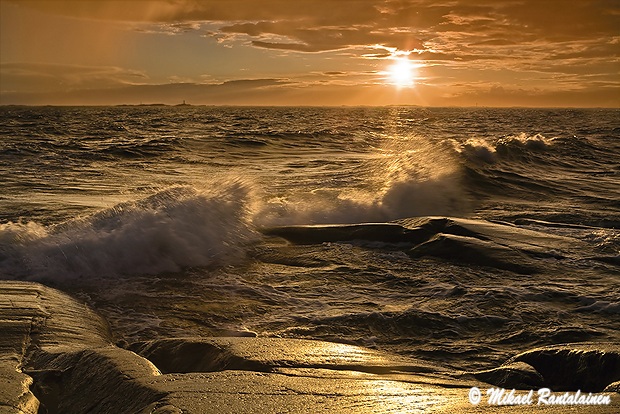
{"x": 306, "y": 106}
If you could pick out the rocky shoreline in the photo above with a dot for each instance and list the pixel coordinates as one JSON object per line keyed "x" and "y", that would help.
{"x": 57, "y": 356}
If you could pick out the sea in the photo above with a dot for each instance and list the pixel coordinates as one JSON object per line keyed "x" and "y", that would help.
{"x": 458, "y": 236}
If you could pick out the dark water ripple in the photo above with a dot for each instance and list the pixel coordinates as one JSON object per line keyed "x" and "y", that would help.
{"x": 156, "y": 216}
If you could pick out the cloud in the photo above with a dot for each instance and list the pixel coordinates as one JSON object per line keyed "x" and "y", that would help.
{"x": 174, "y": 11}
{"x": 31, "y": 77}
{"x": 287, "y": 92}
{"x": 229, "y": 92}
{"x": 445, "y": 27}
{"x": 169, "y": 28}
{"x": 524, "y": 44}
{"x": 602, "y": 95}
{"x": 300, "y": 37}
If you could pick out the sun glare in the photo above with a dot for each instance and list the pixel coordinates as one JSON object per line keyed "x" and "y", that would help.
{"x": 402, "y": 73}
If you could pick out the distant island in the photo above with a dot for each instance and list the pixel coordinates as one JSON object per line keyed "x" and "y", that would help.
{"x": 155, "y": 104}
{"x": 141, "y": 104}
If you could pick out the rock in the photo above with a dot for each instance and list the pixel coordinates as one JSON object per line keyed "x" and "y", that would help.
{"x": 370, "y": 232}
{"x": 613, "y": 387}
{"x": 500, "y": 245}
{"x": 253, "y": 392}
{"x": 532, "y": 242}
{"x": 15, "y": 394}
{"x": 181, "y": 355}
{"x": 57, "y": 356}
{"x": 484, "y": 243}
{"x": 518, "y": 375}
{"x": 585, "y": 367}
{"x": 470, "y": 250}
{"x": 588, "y": 367}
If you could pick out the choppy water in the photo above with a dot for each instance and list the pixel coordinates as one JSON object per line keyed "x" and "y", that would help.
{"x": 157, "y": 217}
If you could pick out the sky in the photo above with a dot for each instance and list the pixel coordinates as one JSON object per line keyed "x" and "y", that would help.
{"x": 537, "y": 53}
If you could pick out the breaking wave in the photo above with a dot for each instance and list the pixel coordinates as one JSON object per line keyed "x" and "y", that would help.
{"x": 406, "y": 177}
{"x": 175, "y": 228}
{"x": 487, "y": 151}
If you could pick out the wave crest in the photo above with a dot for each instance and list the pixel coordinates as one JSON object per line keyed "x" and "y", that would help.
{"x": 407, "y": 176}
{"x": 479, "y": 149}
{"x": 175, "y": 228}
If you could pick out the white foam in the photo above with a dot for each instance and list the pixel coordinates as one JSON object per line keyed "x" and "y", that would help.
{"x": 175, "y": 228}
{"x": 410, "y": 178}
{"x": 531, "y": 142}
{"x": 477, "y": 149}
{"x": 488, "y": 151}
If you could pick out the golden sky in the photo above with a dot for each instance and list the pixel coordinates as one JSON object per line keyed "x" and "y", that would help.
{"x": 322, "y": 52}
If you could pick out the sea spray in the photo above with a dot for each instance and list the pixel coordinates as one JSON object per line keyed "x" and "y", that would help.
{"x": 316, "y": 165}
{"x": 489, "y": 150}
{"x": 404, "y": 177}
{"x": 175, "y": 228}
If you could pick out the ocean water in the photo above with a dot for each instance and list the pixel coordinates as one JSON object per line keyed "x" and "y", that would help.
{"x": 185, "y": 221}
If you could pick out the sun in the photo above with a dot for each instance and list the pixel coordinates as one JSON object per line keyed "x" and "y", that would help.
{"x": 402, "y": 73}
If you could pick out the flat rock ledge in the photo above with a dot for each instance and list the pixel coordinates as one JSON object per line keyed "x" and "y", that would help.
{"x": 57, "y": 356}
{"x": 497, "y": 245}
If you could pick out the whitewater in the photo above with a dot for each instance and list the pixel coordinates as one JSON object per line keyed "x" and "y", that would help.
{"x": 460, "y": 236}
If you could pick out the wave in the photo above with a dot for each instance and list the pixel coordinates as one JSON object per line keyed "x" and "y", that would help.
{"x": 413, "y": 320}
{"x": 94, "y": 149}
{"x": 441, "y": 195}
{"x": 414, "y": 326}
{"x": 175, "y": 228}
{"x": 182, "y": 226}
{"x": 404, "y": 178}
{"x": 142, "y": 148}
{"x": 487, "y": 151}
{"x": 535, "y": 167}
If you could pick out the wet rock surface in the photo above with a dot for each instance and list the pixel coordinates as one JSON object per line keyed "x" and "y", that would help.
{"x": 57, "y": 356}
{"x": 479, "y": 242}
{"x": 569, "y": 367}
